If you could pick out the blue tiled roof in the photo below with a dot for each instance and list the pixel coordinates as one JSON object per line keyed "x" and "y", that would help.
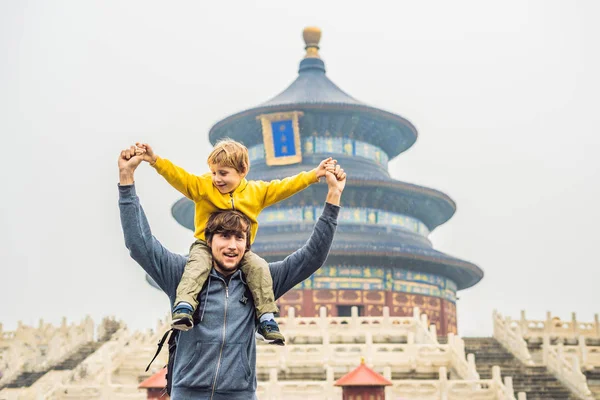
{"x": 313, "y": 91}
{"x": 312, "y": 87}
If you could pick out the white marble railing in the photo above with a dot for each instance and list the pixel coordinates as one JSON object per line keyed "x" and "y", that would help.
{"x": 301, "y": 330}
{"x": 342, "y": 342}
{"x": 510, "y": 336}
{"x": 555, "y": 327}
{"x": 131, "y": 361}
{"x": 566, "y": 369}
{"x": 587, "y": 356}
{"x": 14, "y": 358}
{"x": 36, "y": 349}
{"x": 345, "y": 357}
{"x": 464, "y": 366}
{"x": 100, "y": 391}
{"x": 442, "y": 388}
{"x": 127, "y": 353}
{"x": 97, "y": 366}
{"x": 112, "y": 371}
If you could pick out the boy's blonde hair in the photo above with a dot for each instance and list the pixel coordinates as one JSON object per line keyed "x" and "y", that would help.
{"x": 229, "y": 153}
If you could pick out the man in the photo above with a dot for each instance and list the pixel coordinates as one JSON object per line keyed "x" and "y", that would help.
{"x": 217, "y": 358}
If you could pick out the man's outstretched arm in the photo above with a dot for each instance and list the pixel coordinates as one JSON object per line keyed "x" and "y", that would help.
{"x": 162, "y": 265}
{"x": 309, "y": 258}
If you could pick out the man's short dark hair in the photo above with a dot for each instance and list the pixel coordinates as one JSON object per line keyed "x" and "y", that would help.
{"x": 230, "y": 221}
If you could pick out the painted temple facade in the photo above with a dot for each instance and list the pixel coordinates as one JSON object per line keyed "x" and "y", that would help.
{"x": 381, "y": 255}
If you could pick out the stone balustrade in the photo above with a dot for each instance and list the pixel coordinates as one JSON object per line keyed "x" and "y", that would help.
{"x": 100, "y": 391}
{"x": 352, "y": 329}
{"x": 557, "y": 328}
{"x": 587, "y": 356}
{"x": 130, "y": 362}
{"x": 405, "y": 344}
{"x": 343, "y": 357}
{"x": 98, "y": 366}
{"x": 464, "y": 366}
{"x": 110, "y": 372}
{"x": 510, "y": 336}
{"x": 90, "y": 379}
{"x": 332, "y": 345}
{"x": 443, "y": 388}
{"x": 566, "y": 369}
{"x": 38, "y": 348}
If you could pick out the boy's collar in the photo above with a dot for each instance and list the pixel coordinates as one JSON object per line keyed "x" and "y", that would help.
{"x": 241, "y": 186}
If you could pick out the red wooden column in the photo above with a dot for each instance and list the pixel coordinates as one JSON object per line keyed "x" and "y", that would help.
{"x": 363, "y": 383}
{"x": 155, "y": 385}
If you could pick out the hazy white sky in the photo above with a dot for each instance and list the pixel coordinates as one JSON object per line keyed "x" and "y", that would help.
{"x": 504, "y": 95}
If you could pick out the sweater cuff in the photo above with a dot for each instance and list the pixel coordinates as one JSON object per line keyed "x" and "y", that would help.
{"x": 312, "y": 175}
{"x": 158, "y": 164}
{"x": 331, "y": 211}
{"x": 127, "y": 190}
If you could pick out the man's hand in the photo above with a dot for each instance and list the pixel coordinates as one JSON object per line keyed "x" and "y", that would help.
{"x": 145, "y": 151}
{"x": 327, "y": 164}
{"x": 336, "y": 182}
{"x": 128, "y": 162}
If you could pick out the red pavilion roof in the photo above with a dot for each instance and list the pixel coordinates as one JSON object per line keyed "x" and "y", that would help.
{"x": 362, "y": 376}
{"x": 156, "y": 381}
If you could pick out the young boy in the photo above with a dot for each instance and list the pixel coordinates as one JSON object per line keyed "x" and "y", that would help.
{"x": 226, "y": 187}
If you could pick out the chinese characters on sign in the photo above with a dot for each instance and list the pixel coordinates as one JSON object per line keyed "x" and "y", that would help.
{"x": 281, "y": 137}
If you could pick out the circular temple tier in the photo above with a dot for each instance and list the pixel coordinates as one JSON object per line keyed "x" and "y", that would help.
{"x": 381, "y": 254}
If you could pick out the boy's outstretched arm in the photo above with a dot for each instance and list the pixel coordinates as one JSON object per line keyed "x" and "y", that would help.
{"x": 191, "y": 186}
{"x": 278, "y": 190}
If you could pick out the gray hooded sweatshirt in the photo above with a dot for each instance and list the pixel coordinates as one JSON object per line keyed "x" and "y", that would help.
{"x": 216, "y": 359}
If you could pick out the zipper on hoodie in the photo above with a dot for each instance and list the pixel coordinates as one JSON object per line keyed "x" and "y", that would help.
{"x": 232, "y": 204}
{"x": 223, "y": 342}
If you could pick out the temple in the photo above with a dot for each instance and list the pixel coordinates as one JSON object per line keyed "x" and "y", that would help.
{"x": 381, "y": 255}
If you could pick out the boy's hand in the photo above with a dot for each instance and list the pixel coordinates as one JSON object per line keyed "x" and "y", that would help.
{"x": 327, "y": 164}
{"x": 145, "y": 151}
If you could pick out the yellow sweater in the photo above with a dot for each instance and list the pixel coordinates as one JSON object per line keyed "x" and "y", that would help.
{"x": 250, "y": 197}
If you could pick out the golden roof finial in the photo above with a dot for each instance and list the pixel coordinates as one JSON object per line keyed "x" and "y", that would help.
{"x": 312, "y": 36}
{"x": 362, "y": 360}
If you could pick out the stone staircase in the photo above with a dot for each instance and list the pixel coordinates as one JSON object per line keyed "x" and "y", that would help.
{"x": 26, "y": 379}
{"x": 593, "y": 379}
{"x": 593, "y": 376}
{"x": 537, "y": 382}
{"x": 84, "y": 352}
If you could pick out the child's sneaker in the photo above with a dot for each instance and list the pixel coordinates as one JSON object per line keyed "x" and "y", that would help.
{"x": 182, "y": 318}
{"x": 269, "y": 332}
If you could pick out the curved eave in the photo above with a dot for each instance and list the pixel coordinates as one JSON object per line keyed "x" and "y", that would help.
{"x": 369, "y": 181}
{"x": 430, "y": 206}
{"x": 463, "y": 273}
{"x": 409, "y": 131}
{"x": 183, "y": 211}
{"x": 445, "y": 206}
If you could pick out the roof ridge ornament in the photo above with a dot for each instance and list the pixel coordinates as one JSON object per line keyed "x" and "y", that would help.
{"x": 312, "y": 37}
